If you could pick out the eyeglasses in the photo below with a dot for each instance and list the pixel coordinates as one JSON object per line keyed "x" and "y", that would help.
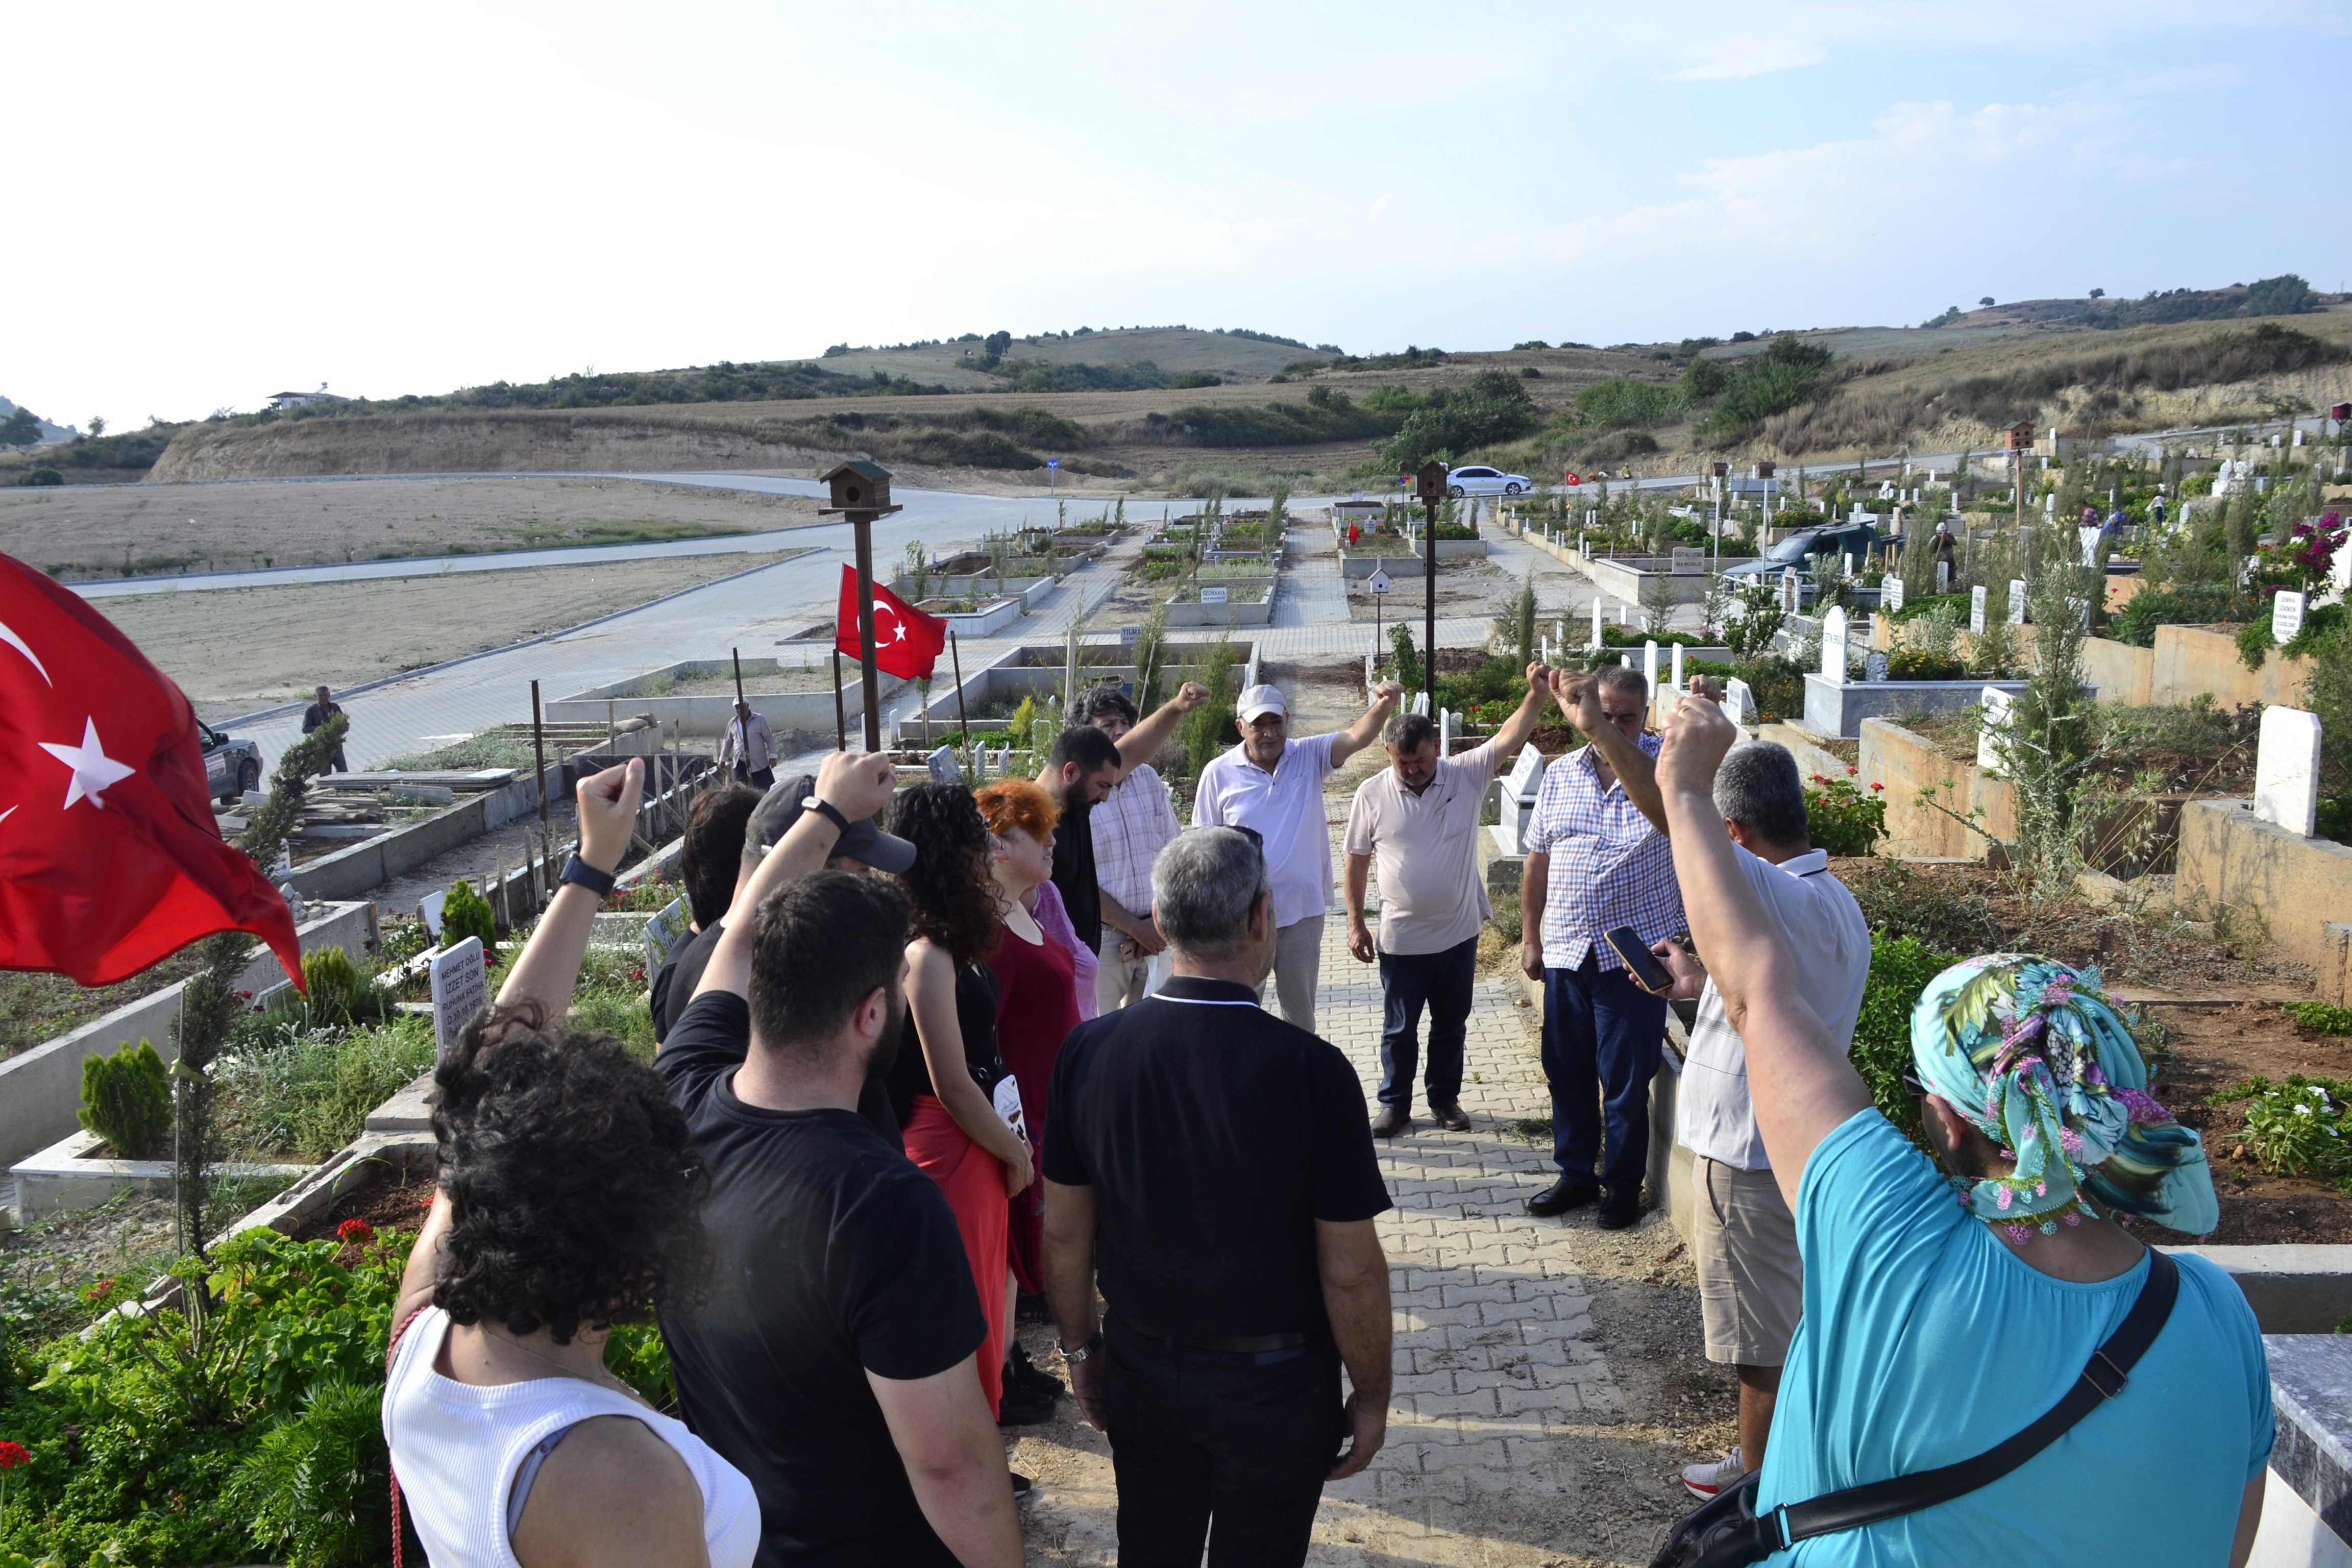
{"x": 1911, "y": 1084}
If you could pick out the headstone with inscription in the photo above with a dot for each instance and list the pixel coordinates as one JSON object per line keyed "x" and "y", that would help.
{"x": 1976, "y": 610}
{"x": 1738, "y": 702}
{"x": 1517, "y": 801}
{"x": 1833, "y": 645}
{"x": 1689, "y": 561}
{"x": 2016, "y": 603}
{"x": 1650, "y": 665}
{"x": 2286, "y": 615}
{"x": 461, "y": 990}
{"x": 1995, "y": 725}
{"x": 1596, "y": 623}
{"x": 1890, "y": 593}
{"x": 1874, "y": 666}
{"x": 1674, "y": 679}
{"x": 1213, "y": 595}
{"x": 2287, "y": 770}
{"x": 1791, "y": 596}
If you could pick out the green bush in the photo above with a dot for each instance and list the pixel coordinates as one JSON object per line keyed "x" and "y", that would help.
{"x": 291, "y": 1083}
{"x": 2296, "y": 1128}
{"x": 2321, "y": 1017}
{"x": 318, "y": 1484}
{"x": 1841, "y": 819}
{"x": 1916, "y": 663}
{"x": 1755, "y": 388}
{"x": 2180, "y": 604}
{"x": 1408, "y": 660}
{"x": 1622, "y": 403}
{"x": 126, "y": 1099}
{"x": 1202, "y": 730}
{"x": 1900, "y": 968}
{"x": 1451, "y": 422}
{"x": 331, "y": 979}
{"x": 466, "y": 913}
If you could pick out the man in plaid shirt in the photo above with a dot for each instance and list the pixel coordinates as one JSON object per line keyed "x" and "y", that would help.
{"x": 1594, "y": 862}
{"x": 1130, "y": 828}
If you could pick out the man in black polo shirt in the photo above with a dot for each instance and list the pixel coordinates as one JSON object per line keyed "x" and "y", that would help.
{"x": 1214, "y": 1166}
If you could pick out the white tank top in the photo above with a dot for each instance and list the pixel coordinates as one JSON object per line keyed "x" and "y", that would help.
{"x": 458, "y": 1449}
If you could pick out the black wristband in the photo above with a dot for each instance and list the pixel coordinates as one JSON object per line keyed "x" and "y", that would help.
{"x": 827, "y": 809}
{"x": 582, "y": 874}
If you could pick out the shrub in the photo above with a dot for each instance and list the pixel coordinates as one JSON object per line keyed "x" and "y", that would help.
{"x": 317, "y": 1484}
{"x": 2321, "y": 1017}
{"x": 1918, "y": 664}
{"x": 1843, "y": 820}
{"x": 1898, "y": 900}
{"x": 1203, "y": 728}
{"x": 126, "y": 1099}
{"x": 2180, "y": 604}
{"x": 466, "y": 913}
{"x": 1754, "y": 389}
{"x": 2296, "y": 1128}
{"x": 1408, "y": 661}
{"x": 44, "y": 475}
{"x": 1900, "y": 968}
{"x": 1022, "y": 726}
{"x": 1450, "y": 422}
{"x": 331, "y": 979}
{"x": 1622, "y": 403}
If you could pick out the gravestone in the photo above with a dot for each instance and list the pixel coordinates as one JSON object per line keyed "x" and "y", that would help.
{"x": 428, "y": 909}
{"x": 1689, "y": 560}
{"x": 1519, "y": 796}
{"x": 1213, "y": 595}
{"x": 1874, "y": 666}
{"x": 1675, "y": 679}
{"x": 671, "y": 928}
{"x": 1791, "y": 596}
{"x": 2286, "y": 615}
{"x": 1833, "y": 641}
{"x": 1420, "y": 703}
{"x": 2016, "y": 603}
{"x": 1596, "y": 623}
{"x": 1738, "y": 702}
{"x": 1943, "y": 576}
{"x": 1650, "y": 665}
{"x": 2287, "y": 770}
{"x": 1976, "y": 610}
{"x": 1890, "y": 593}
{"x": 1996, "y": 724}
{"x": 2089, "y": 539}
{"x": 461, "y": 990}
{"x": 944, "y": 767}
{"x": 1129, "y": 634}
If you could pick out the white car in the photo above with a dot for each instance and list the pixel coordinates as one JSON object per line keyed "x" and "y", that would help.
{"x": 1475, "y": 480}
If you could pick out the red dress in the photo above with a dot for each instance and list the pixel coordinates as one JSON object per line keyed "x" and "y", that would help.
{"x": 1037, "y": 1008}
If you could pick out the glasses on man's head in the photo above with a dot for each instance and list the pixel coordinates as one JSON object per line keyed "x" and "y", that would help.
{"x": 1257, "y": 839}
{"x": 1911, "y": 1084}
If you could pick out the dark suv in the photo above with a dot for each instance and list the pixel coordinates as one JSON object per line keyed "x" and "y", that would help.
{"x": 232, "y": 766}
{"x": 1858, "y": 540}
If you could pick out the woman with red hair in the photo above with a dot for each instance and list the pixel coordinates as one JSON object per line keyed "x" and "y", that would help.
{"x": 1036, "y": 983}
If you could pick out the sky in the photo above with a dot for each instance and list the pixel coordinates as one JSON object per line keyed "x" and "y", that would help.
{"x": 213, "y": 203}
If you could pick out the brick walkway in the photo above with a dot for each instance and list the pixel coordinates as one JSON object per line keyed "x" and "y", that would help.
{"x": 1496, "y": 1353}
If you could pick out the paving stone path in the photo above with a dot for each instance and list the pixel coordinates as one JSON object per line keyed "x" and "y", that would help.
{"x": 1500, "y": 1372}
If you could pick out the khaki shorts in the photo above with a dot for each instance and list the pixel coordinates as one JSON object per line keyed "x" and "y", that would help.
{"x": 1751, "y": 1283}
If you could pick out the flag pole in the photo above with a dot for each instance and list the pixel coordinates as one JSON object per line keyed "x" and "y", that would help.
{"x": 840, "y": 716}
{"x": 736, "y": 654}
{"x": 869, "y": 679}
{"x": 956, "y": 655}
{"x": 539, "y": 752}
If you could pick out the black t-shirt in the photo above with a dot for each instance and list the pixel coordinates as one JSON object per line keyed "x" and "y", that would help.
{"x": 1074, "y": 873}
{"x": 673, "y": 993}
{"x": 1214, "y": 1135}
{"x": 976, "y": 997}
{"x": 834, "y": 1257}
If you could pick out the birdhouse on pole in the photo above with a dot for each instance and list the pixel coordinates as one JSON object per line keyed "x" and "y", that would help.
{"x": 859, "y": 487}
{"x": 2021, "y": 435}
{"x": 1428, "y": 483}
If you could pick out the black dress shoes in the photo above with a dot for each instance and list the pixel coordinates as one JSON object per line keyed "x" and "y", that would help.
{"x": 1562, "y": 1196}
{"x": 1389, "y": 1122}
{"x": 1618, "y": 1210}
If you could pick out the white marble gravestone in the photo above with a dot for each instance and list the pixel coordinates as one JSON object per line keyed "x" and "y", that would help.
{"x": 1518, "y": 802}
{"x": 1738, "y": 702}
{"x": 2286, "y": 615}
{"x": 1675, "y": 679}
{"x": 1833, "y": 642}
{"x": 2287, "y": 770}
{"x": 2016, "y": 602}
{"x": 1976, "y": 610}
{"x": 1650, "y": 665}
{"x": 2089, "y": 539}
{"x": 461, "y": 990}
{"x": 1996, "y": 724}
{"x": 1689, "y": 560}
{"x": 1596, "y": 623}
{"x": 1943, "y": 576}
{"x": 1791, "y": 596}
{"x": 1890, "y": 593}
{"x": 1874, "y": 667}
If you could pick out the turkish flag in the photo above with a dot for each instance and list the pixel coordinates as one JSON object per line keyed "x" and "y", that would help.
{"x": 110, "y": 855}
{"x": 907, "y": 642}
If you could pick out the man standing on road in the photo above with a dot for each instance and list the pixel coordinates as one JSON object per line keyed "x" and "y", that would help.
{"x": 1595, "y": 863}
{"x": 1084, "y": 764}
{"x": 1130, "y": 827}
{"x": 1211, "y": 1166}
{"x": 322, "y": 709}
{"x": 1273, "y": 785}
{"x": 1743, "y": 1240}
{"x": 1419, "y": 817}
{"x": 749, "y": 747}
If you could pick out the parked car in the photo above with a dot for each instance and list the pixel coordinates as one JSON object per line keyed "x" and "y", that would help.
{"x": 1858, "y": 540}
{"x": 232, "y": 766}
{"x": 1479, "y": 481}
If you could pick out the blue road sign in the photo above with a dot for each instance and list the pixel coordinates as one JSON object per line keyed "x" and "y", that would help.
{"x": 1053, "y": 462}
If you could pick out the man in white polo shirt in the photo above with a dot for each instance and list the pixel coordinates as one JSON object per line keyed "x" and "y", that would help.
{"x": 1744, "y": 1240}
{"x": 1419, "y": 817}
{"x": 1273, "y": 785}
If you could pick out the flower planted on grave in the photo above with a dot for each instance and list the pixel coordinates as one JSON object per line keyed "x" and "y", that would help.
{"x": 12, "y": 1455}
{"x": 1843, "y": 820}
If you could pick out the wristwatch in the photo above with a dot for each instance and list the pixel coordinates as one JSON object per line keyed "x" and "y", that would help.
{"x": 826, "y": 808}
{"x": 1085, "y": 1352}
{"x": 578, "y": 871}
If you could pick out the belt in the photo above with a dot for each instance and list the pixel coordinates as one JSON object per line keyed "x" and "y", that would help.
{"x": 1243, "y": 1344}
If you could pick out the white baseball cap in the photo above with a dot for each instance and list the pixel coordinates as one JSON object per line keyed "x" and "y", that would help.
{"x": 1260, "y": 700}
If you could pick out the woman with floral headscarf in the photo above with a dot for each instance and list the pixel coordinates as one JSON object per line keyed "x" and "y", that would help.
{"x": 1944, "y": 1314}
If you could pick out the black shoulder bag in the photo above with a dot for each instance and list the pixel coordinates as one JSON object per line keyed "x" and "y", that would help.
{"x": 1726, "y": 1531}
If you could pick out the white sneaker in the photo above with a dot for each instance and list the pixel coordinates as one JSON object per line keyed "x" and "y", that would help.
{"x": 1705, "y": 1480}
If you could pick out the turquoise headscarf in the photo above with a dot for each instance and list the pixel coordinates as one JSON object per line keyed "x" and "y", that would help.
{"x": 2029, "y": 1051}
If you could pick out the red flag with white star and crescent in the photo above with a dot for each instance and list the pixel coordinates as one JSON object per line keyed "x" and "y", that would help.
{"x": 110, "y": 855}
{"x": 907, "y": 641}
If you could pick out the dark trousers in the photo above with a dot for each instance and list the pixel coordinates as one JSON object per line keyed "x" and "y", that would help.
{"x": 1201, "y": 1435}
{"x": 1444, "y": 983}
{"x": 1601, "y": 1043}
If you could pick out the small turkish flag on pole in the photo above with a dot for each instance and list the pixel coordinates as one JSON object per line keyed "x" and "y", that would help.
{"x": 110, "y": 855}
{"x": 906, "y": 642}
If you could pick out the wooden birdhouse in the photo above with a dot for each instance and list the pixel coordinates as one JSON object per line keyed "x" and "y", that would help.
{"x": 859, "y": 486}
{"x": 2021, "y": 435}
{"x": 1428, "y": 483}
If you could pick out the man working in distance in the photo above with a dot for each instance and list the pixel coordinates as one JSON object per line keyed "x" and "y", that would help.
{"x": 747, "y": 749}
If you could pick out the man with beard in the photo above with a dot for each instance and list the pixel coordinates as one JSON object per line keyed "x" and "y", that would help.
{"x": 831, "y": 1357}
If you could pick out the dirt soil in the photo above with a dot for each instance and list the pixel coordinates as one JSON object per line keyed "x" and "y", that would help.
{"x": 37, "y": 1007}
{"x": 236, "y": 650}
{"x": 92, "y": 531}
{"x": 2214, "y": 1049}
{"x": 395, "y": 1202}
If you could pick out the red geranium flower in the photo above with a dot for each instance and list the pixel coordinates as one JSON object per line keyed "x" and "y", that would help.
{"x": 98, "y": 1293}
{"x": 354, "y": 1230}
{"x": 13, "y": 1454}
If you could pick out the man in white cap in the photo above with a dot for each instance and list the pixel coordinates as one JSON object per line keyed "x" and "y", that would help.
{"x": 1271, "y": 786}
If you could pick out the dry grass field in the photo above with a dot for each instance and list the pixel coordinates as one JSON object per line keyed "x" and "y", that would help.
{"x": 236, "y": 650}
{"x": 81, "y": 531}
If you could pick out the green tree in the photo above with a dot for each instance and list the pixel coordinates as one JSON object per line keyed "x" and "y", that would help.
{"x": 21, "y": 428}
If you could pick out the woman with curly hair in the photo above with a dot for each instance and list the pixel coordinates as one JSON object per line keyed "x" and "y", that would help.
{"x": 944, "y": 1081}
{"x": 1036, "y": 977}
{"x": 568, "y": 1202}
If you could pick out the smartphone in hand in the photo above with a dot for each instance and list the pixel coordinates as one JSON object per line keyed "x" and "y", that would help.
{"x": 1648, "y": 972}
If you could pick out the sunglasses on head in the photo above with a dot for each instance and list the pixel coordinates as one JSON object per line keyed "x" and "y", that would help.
{"x": 1911, "y": 1084}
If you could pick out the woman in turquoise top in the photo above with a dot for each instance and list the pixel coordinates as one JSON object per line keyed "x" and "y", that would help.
{"x": 1944, "y": 1314}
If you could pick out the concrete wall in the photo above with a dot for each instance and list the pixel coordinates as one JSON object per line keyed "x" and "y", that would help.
{"x": 708, "y": 717}
{"x": 1905, "y": 763}
{"x": 2189, "y": 662}
{"x": 1356, "y": 568}
{"x": 2301, "y": 888}
{"x": 41, "y": 1089}
{"x": 1229, "y": 614}
{"x": 2123, "y": 673}
{"x": 1839, "y": 710}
